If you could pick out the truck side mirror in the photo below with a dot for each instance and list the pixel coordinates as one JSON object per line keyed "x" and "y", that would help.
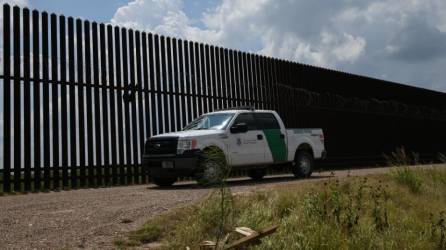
{"x": 239, "y": 128}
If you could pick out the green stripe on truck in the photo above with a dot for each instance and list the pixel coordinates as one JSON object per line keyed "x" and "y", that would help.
{"x": 276, "y": 144}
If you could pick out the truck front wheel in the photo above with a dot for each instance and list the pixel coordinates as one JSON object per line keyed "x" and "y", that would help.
{"x": 164, "y": 181}
{"x": 303, "y": 164}
{"x": 213, "y": 167}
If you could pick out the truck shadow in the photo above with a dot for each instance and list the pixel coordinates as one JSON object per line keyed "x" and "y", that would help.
{"x": 240, "y": 182}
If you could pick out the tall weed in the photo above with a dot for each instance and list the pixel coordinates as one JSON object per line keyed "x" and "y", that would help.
{"x": 442, "y": 157}
{"x": 400, "y": 157}
{"x": 403, "y": 174}
{"x": 408, "y": 177}
{"x": 438, "y": 228}
{"x": 345, "y": 205}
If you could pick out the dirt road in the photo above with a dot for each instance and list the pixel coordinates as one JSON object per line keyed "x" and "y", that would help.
{"x": 91, "y": 218}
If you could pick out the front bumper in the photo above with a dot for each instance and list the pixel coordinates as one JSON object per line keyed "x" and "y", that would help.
{"x": 179, "y": 165}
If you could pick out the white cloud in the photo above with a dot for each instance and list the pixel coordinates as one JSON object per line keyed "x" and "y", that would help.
{"x": 349, "y": 49}
{"x": 163, "y": 17}
{"x": 402, "y": 40}
{"x": 151, "y": 12}
{"x": 331, "y": 49}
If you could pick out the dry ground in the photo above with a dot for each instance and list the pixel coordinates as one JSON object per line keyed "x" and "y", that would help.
{"x": 91, "y": 218}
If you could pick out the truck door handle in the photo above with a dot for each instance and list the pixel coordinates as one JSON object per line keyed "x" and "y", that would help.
{"x": 282, "y": 136}
{"x": 260, "y": 137}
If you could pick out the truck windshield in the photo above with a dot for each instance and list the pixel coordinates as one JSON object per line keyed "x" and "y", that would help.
{"x": 212, "y": 121}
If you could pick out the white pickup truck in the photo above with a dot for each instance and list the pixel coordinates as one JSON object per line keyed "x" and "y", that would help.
{"x": 249, "y": 139}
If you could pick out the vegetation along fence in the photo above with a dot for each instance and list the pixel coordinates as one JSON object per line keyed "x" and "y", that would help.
{"x": 79, "y": 98}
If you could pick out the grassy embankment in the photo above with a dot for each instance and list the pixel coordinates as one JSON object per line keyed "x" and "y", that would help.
{"x": 405, "y": 208}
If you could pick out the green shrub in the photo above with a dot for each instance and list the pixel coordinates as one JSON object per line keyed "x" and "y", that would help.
{"x": 401, "y": 160}
{"x": 409, "y": 177}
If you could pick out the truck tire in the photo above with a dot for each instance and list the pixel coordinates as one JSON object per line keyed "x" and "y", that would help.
{"x": 164, "y": 181}
{"x": 213, "y": 168}
{"x": 303, "y": 164}
{"x": 257, "y": 174}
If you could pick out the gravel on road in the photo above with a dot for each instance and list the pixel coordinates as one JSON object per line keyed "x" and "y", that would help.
{"x": 92, "y": 218}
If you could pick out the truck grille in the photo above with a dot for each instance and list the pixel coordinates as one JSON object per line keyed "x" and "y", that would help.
{"x": 161, "y": 146}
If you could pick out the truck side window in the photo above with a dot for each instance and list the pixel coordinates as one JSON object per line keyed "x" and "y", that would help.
{"x": 247, "y": 118}
{"x": 267, "y": 121}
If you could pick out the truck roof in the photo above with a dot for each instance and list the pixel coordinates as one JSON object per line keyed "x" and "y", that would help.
{"x": 240, "y": 111}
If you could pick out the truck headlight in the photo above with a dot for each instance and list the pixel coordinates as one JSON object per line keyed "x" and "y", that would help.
{"x": 184, "y": 145}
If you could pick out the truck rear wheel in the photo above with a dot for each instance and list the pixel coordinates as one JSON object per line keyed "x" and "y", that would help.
{"x": 303, "y": 164}
{"x": 164, "y": 181}
{"x": 257, "y": 174}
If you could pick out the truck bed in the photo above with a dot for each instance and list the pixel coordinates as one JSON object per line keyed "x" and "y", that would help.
{"x": 314, "y": 137}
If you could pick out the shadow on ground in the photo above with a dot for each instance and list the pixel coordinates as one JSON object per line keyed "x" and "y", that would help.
{"x": 237, "y": 182}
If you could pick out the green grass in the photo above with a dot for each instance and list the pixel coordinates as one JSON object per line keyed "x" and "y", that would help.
{"x": 377, "y": 212}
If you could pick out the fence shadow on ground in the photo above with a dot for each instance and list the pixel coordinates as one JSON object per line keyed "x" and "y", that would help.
{"x": 242, "y": 181}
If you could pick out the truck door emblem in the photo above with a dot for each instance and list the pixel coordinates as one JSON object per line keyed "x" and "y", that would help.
{"x": 157, "y": 145}
{"x": 239, "y": 141}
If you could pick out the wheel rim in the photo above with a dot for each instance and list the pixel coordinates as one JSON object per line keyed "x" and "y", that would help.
{"x": 212, "y": 172}
{"x": 305, "y": 165}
